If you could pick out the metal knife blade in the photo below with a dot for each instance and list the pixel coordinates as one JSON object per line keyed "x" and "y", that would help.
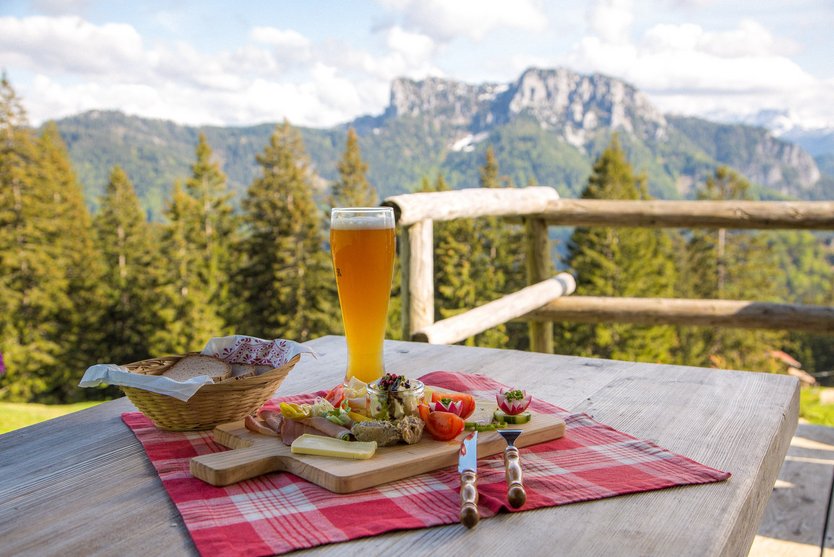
{"x": 468, "y": 469}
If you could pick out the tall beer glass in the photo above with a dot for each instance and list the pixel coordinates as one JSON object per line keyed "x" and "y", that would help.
{"x": 362, "y": 243}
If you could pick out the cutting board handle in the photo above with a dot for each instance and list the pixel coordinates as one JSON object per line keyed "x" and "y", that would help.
{"x": 233, "y": 466}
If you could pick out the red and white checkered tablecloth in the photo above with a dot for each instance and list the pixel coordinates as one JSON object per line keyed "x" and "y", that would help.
{"x": 280, "y": 512}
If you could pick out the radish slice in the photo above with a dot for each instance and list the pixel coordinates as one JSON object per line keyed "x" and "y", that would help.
{"x": 513, "y": 401}
{"x": 447, "y": 405}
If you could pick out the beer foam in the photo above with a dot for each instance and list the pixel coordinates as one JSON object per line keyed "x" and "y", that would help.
{"x": 362, "y": 222}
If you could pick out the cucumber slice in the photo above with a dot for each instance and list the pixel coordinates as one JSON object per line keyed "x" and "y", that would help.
{"x": 501, "y": 416}
{"x": 478, "y": 426}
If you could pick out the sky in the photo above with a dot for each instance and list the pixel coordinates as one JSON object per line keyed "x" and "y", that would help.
{"x": 324, "y": 62}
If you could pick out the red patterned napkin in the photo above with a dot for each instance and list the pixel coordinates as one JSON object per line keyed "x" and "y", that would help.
{"x": 280, "y": 512}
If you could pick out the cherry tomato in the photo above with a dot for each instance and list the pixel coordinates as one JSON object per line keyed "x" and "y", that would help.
{"x": 423, "y": 411}
{"x": 444, "y": 426}
{"x": 468, "y": 401}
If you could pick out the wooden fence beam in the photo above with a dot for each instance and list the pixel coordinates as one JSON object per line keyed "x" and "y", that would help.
{"x": 492, "y": 314}
{"x": 470, "y": 203}
{"x": 672, "y": 311}
{"x": 809, "y": 215}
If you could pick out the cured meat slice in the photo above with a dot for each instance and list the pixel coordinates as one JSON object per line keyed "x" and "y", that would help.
{"x": 323, "y": 425}
{"x": 293, "y": 429}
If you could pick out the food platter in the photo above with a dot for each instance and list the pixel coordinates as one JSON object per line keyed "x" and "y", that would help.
{"x": 253, "y": 454}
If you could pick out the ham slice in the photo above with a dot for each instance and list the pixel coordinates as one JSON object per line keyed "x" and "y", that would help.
{"x": 274, "y": 420}
{"x": 290, "y": 430}
{"x": 254, "y": 424}
{"x": 327, "y": 427}
{"x": 293, "y": 429}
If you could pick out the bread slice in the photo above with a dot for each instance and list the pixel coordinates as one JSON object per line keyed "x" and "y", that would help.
{"x": 192, "y": 366}
{"x": 239, "y": 371}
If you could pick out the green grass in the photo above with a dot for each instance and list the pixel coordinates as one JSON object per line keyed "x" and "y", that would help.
{"x": 811, "y": 409}
{"x": 14, "y": 415}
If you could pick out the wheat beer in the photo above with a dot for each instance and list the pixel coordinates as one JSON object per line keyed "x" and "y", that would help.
{"x": 362, "y": 244}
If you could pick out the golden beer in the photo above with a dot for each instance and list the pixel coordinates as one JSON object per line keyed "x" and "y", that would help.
{"x": 362, "y": 244}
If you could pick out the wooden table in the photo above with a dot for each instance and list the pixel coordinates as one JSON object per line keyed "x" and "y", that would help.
{"x": 81, "y": 484}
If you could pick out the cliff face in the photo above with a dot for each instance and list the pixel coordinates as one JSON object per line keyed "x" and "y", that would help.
{"x": 451, "y": 102}
{"x": 577, "y": 107}
{"x": 570, "y": 104}
{"x": 787, "y": 163}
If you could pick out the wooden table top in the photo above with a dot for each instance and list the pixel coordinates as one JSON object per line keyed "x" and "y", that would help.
{"x": 81, "y": 484}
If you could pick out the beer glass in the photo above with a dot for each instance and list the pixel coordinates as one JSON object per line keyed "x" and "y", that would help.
{"x": 362, "y": 244}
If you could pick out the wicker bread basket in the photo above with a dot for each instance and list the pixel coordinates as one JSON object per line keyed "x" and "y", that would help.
{"x": 213, "y": 404}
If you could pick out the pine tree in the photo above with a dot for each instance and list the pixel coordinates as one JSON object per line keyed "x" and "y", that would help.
{"x": 186, "y": 315}
{"x": 619, "y": 262}
{"x": 455, "y": 253}
{"x": 808, "y": 279}
{"x": 352, "y": 189}
{"x": 49, "y": 267}
{"x": 33, "y": 290}
{"x": 497, "y": 264}
{"x": 729, "y": 265}
{"x": 287, "y": 283}
{"x": 213, "y": 237}
{"x": 81, "y": 328}
{"x": 126, "y": 242}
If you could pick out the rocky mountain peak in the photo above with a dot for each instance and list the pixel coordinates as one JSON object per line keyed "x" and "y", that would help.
{"x": 572, "y": 104}
{"x": 455, "y": 102}
{"x": 580, "y": 104}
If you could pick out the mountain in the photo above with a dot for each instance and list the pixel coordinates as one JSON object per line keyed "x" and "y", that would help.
{"x": 547, "y": 127}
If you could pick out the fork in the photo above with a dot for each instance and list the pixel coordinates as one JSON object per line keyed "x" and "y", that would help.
{"x": 512, "y": 465}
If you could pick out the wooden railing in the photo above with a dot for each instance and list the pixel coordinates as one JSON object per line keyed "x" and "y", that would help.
{"x": 545, "y": 301}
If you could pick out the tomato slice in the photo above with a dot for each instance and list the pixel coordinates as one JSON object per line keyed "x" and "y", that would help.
{"x": 467, "y": 401}
{"x": 424, "y": 411}
{"x": 444, "y": 426}
{"x": 336, "y": 395}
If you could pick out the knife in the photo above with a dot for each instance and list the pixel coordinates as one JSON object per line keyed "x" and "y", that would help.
{"x": 468, "y": 469}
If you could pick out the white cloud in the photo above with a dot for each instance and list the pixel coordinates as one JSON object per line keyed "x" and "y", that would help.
{"x": 403, "y": 54}
{"x": 415, "y": 48}
{"x": 281, "y": 38}
{"x": 59, "y": 7}
{"x": 749, "y": 39}
{"x": 611, "y": 20}
{"x": 70, "y": 44}
{"x": 474, "y": 19}
{"x": 278, "y": 73}
{"x": 688, "y": 69}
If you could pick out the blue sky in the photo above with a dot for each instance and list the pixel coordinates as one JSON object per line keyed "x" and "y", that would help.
{"x": 324, "y": 62}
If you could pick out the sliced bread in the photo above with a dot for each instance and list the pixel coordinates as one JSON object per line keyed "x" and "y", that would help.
{"x": 241, "y": 371}
{"x": 194, "y": 365}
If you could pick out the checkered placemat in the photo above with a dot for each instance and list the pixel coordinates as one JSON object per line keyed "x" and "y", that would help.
{"x": 280, "y": 512}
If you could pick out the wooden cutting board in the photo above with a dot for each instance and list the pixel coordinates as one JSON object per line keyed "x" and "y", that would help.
{"x": 253, "y": 454}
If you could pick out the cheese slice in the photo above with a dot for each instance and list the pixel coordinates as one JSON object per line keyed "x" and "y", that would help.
{"x": 329, "y": 446}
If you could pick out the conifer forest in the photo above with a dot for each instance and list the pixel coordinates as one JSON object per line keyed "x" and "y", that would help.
{"x": 78, "y": 288}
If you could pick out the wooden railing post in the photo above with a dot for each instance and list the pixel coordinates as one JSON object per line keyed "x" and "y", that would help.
{"x": 519, "y": 305}
{"x": 417, "y": 260}
{"x": 539, "y": 268}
